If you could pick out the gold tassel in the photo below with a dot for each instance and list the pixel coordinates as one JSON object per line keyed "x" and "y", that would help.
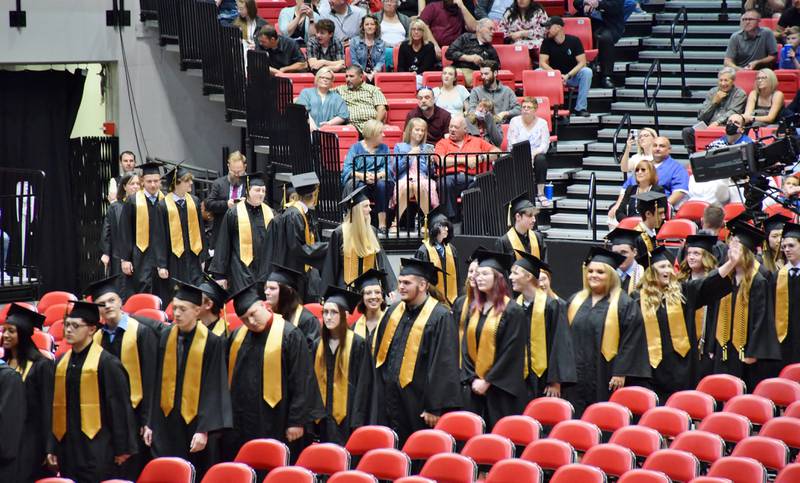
{"x": 283, "y": 200}
{"x": 508, "y": 216}
{"x": 425, "y": 236}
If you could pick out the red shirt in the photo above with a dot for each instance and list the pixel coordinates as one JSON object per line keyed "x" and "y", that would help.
{"x": 471, "y": 144}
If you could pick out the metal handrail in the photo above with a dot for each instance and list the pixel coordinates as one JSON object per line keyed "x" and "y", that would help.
{"x": 677, "y": 46}
{"x": 651, "y": 101}
{"x": 591, "y": 205}
{"x": 625, "y": 122}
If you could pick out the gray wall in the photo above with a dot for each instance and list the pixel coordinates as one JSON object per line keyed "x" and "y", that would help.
{"x": 178, "y": 122}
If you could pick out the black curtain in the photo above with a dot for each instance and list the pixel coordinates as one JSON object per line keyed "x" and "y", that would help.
{"x": 37, "y": 112}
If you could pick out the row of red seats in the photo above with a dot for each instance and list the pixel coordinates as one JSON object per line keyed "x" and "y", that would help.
{"x": 703, "y": 137}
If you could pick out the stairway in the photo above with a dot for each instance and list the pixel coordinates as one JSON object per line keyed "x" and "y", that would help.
{"x": 704, "y": 48}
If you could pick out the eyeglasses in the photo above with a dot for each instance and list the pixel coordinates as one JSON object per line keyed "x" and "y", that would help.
{"x": 74, "y": 325}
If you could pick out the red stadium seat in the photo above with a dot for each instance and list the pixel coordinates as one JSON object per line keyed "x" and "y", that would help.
{"x": 787, "y": 83}
{"x": 315, "y": 309}
{"x": 710, "y": 479}
{"x": 488, "y": 449}
{"x": 55, "y": 312}
{"x": 549, "y": 411}
{"x": 793, "y": 410}
{"x": 731, "y": 427}
{"x": 630, "y": 223}
{"x": 613, "y": 459}
{"x": 392, "y": 135}
{"x": 697, "y": 404}
{"x": 703, "y": 137}
{"x": 544, "y": 83}
{"x": 461, "y": 425}
{"x": 158, "y": 315}
{"x": 772, "y": 453}
{"x": 414, "y": 479}
{"x": 644, "y": 476}
{"x": 230, "y": 473}
{"x": 745, "y": 80}
{"x": 62, "y": 349}
{"x": 638, "y": 399}
{"x": 669, "y": 422}
{"x": 521, "y": 430}
{"x": 678, "y": 465}
{"x": 366, "y": 438}
{"x": 234, "y": 322}
{"x": 782, "y": 392}
{"x": 140, "y": 301}
{"x": 790, "y": 474}
{"x": 739, "y": 470}
{"x": 300, "y": 81}
{"x": 385, "y": 464}
{"x": 608, "y": 416}
{"x": 270, "y": 10}
{"x": 324, "y": 458}
{"x": 757, "y": 409}
{"x": 677, "y": 229}
{"x": 515, "y": 471}
{"x": 434, "y": 78}
{"x": 43, "y": 340}
{"x": 721, "y": 386}
{"x": 732, "y": 210}
{"x": 692, "y": 210}
{"x": 175, "y": 470}
{"x": 348, "y": 135}
{"x": 263, "y": 454}
{"x": 515, "y": 58}
{"x": 768, "y": 23}
{"x": 352, "y": 476}
{"x": 581, "y": 27}
{"x": 550, "y": 454}
{"x": 641, "y": 440}
{"x": 774, "y": 210}
{"x": 52, "y": 298}
{"x": 449, "y": 467}
{"x": 290, "y": 474}
{"x": 398, "y": 110}
{"x": 396, "y": 85}
{"x": 580, "y": 434}
{"x": 708, "y": 447}
{"x": 425, "y": 443}
{"x": 504, "y": 77}
{"x": 785, "y": 429}
{"x": 578, "y": 473}
{"x": 57, "y": 330}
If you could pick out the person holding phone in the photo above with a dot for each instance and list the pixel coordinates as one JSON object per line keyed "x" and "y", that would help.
{"x": 298, "y": 22}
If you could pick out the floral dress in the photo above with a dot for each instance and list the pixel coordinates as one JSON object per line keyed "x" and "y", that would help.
{"x": 508, "y": 27}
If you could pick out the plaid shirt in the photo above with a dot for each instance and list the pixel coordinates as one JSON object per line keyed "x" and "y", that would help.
{"x": 362, "y": 103}
{"x": 315, "y": 51}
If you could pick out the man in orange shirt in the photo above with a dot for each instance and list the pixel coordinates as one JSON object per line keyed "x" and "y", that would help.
{"x": 460, "y": 171}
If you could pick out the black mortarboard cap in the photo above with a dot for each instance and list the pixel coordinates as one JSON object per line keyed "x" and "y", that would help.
{"x": 174, "y": 175}
{"x": 499, "y": 261}
{"x": 544, "y": 267}
{"x": 601, "y": 255}
{"x": 623, "y": 236}
{"x": 89, "y": 312}
{"x": 22, "y": 317}
{"x": 246, "y": 297}
{"x": 213, "y": 290}
{"x": 748, "y": 235}
{"x": 305, "y": 183}
{"x": 743, "y": 217}
{"x": 101, "y": 287}
{"x": 369, "y": 278}
{"x": 650, "y": 199}
{"x": 354, "y": 197}
{"x": 658, "y": 254}
{"x": 286, "y": 276}
{"x": 420, "y": 268}
{"x": 518, "y": 204}
{"x": 775, "y": 222}
{"x": 150, "y": 168}
{"x": 529, "y": 262}
{"x": 342, "y": 297}
{"x": 706, "y": 242}
{"x": 188, "y": 292}
{"x": 791, "y": 230}
{"x": 254, "y": 179}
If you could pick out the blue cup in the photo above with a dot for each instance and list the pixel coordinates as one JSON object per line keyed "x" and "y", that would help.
{"x": 548, "y": 191}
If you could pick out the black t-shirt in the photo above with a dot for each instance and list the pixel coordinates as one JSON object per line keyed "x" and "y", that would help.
{"x": 563, "y": 56}
{"x": 286, "y": 53}
{"x": 790, "y": 18}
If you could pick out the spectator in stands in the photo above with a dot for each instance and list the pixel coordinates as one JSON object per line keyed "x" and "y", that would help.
{"x": 672, "y": 176}
{"x": 752, "y": 46}
{"x": 248, "y": 21}
{"x": 410, "y": 8}
{"x": 532, "y": 128}
{"x": 644, "y": 149}
{"x": 481, "y": 123}
{"x": 564, "y": 53}
{"x": 347, "y": 19}
{"x": 523, "y": 24}
{"x": 459, "y": 171}
{"x": 470, "y": 51}
{"x": 734, "y": 133}
{"x": 284, "y": 54}
{"x": 790, "y": 17}
{"x": 127, "y": 164}
{"x": 608, "y": 24}
{"x": 448, "y": 19}
{"x": 414, "y": 169}
{"x": 394, "y": 25}
{"x": 713, "y": 220}
{"x": 646, "y": 179}
{"x": 364, "y": 101}
{"x": 437, "y": 119}
{"x": 503, "y": 98}
{"x": 720, "y": 103}
{"x": 325, "y": 107}
{"x": 373, "y": 171}
{"x": 418, "y": 53}
{"x": 226, "y": 191}
{"x": 788, "y": 56}
{"x": 367, "y": 50}
{"x": 765, "y": 101}
{"x": 767, "y": 8}
{"x": 227, "y": 11}
{"x": 452, "y": 96}
{"x": 298, "y": 22}
{"x": 324, "y": 49}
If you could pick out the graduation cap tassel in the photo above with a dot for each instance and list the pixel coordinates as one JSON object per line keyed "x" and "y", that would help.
{"x": 425, "y": 228}
{"x": 283, "y": 200}
{"x": 508, "y": 216}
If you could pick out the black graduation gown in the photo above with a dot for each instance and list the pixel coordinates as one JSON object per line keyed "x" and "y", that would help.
{"x": 333, "y": 266}
{"x": 503, "y": 244}
{"x": 111, "y": 236}
{"x": 308, "y": 324}
{"x": 507, "y": 393}
{"x": 790, "y": 347}
{"x": 359, "y": 393}
{"x": 560, "y": 350}
{"x": 188, "y": 267}
{"x": 12, "y": 419}
{"x": 92, "y": 460}
{"x": 592, "y": 370}
{"x": 434, "y": 386}
{"x": 38, "y": 422}
{"x": 289, "y": 249}
{"x": 641, "y": 246}
{"x": 145, "y": 275}
{"x": 422, "y": 254}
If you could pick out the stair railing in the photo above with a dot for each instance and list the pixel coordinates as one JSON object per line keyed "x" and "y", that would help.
{"x": 591, "y": 205}
{"x": 625, "y": 123}
{"x": 650, "y": 98}
{"x": 677, "y": 45}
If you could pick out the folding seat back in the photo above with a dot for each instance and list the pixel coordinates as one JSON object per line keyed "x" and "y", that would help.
{"x": 385, "y": 463}
{"x": 739, "y": 470}
{"x": 697, "y": 404}
{"x": 785, "y": 429}
{"x": 608, "y": 416}
{"x": 398, "y": 110}
{"x": 396, "y": 85}
{"x": 270, "y": 10}
{"x": 703, "y": 137}
{"x": 731, "y": 427}
{"x": 461, "y": 425}
{"x": 780, "y": 391}
{"x": 263, "y": 454}
{"x": 230, "y": 473}
{"x": 425, "y": 443}
{"x": 746, "y": 81}
{"x": 681, "y": 466}
{"x": 290, "y": 474}
{"x": 793, "y": 410}
{"x": 721, "y": 386}
{"x": 4, "y": 310}
{"x": 391, "y": 136}
{"x": 670, "y": 422}
{"x": 139, "y": 301}
{"x": 581, "y": 27}
{"x": 791, "y": 371}
{"x": 638, "y": 399}
{"x": 643, "y": 441}
{"x": 692, "y": 210}
{"x": 613, "y": 459}
{"x": 757, "y": 409}
{"x": 787, "y": 83}
{"x": 158, "y": 315}
{"x": 708, "y": 447}
{"x": 55, "y": 312}
{"x": 515, "y": 58}
{"x": 515, "y": 471}
{"x": 366, "y": 438}
{"x": 545, "y": 83}
{"x": 56, "y": 330}
{"x": 434, "y": 78}
{"x": 644, "y": 476}
{"x": 521, "y": 430}
{"x": 578, "y": 473}
{"x": 488, "y": 449}
{"x": 324, "y": 458}
{"x": 676, "y": 230}
{"x": 630, "y": 223}
{"x": 300, "y": 81}
{"x": 549, "y": 454}
{"x": 52, "y": 298}
{"x": 772, "y": 453}
{"x": 352, "y": 476}
{"x": 732, "y": 210}
{"x": 789, "y": 474}
{"x": 450, "y": 467}
{"x": 43, "y": 340}
{"x": 170, "y": 469}
{"x": 549, "y": 411}
{"x": 580, "y": 434}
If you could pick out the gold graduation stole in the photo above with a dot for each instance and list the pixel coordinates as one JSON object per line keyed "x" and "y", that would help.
{"x": 341, "y": 376}
{"x": 175, "y": 232}
{"x": 538, "y": 334}
{"x": 143, "y": 220}
{"x": 245, "y": 231}
{"x": 447, "y": 284}
{"x": 699, "y": 322}
{"x": 129, "y": 355}
{"x": 360, "y": 328}
{"x": 677, "y": 331}
{"x": 782, "y": 303}
{"x": 483, "y": 354}
{"x": 220, "y": 327}
{"x": 193, "y": 373}
{"x": 309, "y": 236}
{"x": 648, "y": 242}
{"x": 741, "y": 313}
{"x": 271, "y": 367}
{"x": 609, "y": 345}
{"x": 91, "y": 421}
{"x": 412, "y": 343}
{"x": 351, "y": 271}
{"x": 462, "y": 320}
{"x": 27, "y": 370}
{"x": 516, "y": 243}
{"x": 298, "y": 311}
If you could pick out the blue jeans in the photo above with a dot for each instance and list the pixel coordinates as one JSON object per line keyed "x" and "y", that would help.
{"x": 380, "y": 193}
{"x": 583, "y": 81}
{"x": 450, "y": 188}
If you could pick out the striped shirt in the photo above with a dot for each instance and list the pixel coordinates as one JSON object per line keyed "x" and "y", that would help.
{"x": 362, "y": 103}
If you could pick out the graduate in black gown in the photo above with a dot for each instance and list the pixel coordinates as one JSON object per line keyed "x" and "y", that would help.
{"x": 786, "y": 287}
{"x": 771, "y": 256}
{"x": 141, "y": 233}
{"x": 129, "y": 185}
{"x": 493, "y": 345}
{"x": 417, "y": 370}
{"x": 354, "y": 247}
{"x": 521, "y": 235}
{"x": 370, "y": 286}
{"x": 191, "y": 397}
{"x": 343, "y": 369}
{"x": 94, "y": 428}
{"x": 549, "y": 362}
{"x": 37, "y": 372}
{"x": 282, "y": 291}
{"x": 460, "y": 308}
{"x": 12, "y": 422}
{"x": 437, "y": 249}
{"x": 135, "y": 344}
{"x": 282, "y": 405}
{"x": 652, "y": 207}
{"x": 212, "y": 312}
{"x": 242, "y": 254}
{"x": 624, "y": 242}
{"x": 607, "y": 333}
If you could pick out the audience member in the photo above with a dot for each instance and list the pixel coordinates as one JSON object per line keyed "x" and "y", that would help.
{"x": 410, "y": 8}
{"x": 503, "y": 98}
{"x": 127, "y": 164}
{"x": 752, "y": 46}
{"x": 790, "y": 17}
{"x": 608, "y": 24}
{"x": 644, "y": 149}
{"x": 347, "y": 19}
{"x": 720, "y": 103}
{"x": 418, "y": 53}
{"x": 481, "y": 123}
{"x": 284, "y": 54}
{"x": 298, "y": 22}
{"x": 448, "y": 19}
{"x": 523, "y": 24}
{"x": 364, "y": 101}
{"x": 373, "y": 171}
{"x": 325, "y": 107}
{"x": 672, "y": 176}
{"x": 788, "y": 57}
{"x": 367, "y": 50}
{"x": 532, "y": 128}
{"x": 734, "y": 133}
{"x": 767, "y": 8}
{"x": 451, "y": 96}
{"x": 248, "y": 21}
{"x": 226, "y": 191}
{"x": 324, "y": 49}
{"x": 564, "y": 53}
{"x": 459, "y": 171}
{"x": 765, "y": 101}
{"x": 227, "y": 11}
{"x": 414, "y": 170}
{"x": 646, "y": 179}
{"x": 437, "y": 119}
{"x": 469, "y": 52}
{"x": 394, "y": 25}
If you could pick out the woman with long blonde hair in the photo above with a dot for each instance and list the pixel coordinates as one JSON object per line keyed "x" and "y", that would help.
{"x": 765, "y": 101}
{"x": 413, "y": 169}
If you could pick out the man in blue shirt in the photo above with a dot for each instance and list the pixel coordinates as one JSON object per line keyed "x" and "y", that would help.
{"x": 734, "y": 133}
{"x": 672, "y": 176}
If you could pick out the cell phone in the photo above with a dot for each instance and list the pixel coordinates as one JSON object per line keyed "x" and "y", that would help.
{"x": 307, "y": 2}
{"x": 635, "y": 134}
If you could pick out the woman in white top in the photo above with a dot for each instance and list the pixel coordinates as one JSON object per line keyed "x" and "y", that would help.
{"x": 532, "y": 128}
{"x": 297, "y": 22}
{"x": 644, "y": 149}
{"x": 451, "y": 97}
{"x": 394, "y": 25}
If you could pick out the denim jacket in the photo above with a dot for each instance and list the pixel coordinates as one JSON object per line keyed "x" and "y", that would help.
{"x": 358, "y": 54}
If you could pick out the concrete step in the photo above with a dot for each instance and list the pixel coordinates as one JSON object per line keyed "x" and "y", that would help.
{"x": 607, "y": 133}
{"x": 600, "y": 93}
{"x": 698, "y": 95}
{"x": 573, "y": 234}
{"x": 702, "y": 83}
{"x": 695, "y": 17}
{"x": 571, "y": 146}
{"x": 604, "y": 162}
{"x": 561, "y": 174}
{"x": 689, "y": 56}
{"x": 707, "y": 44}
{"x": 663, "y": 107}
{"x": 701, "y": 5}
{"x": 217, "y": 98}
{"x": 606, "y": 147}
{"x": 699, "y": 30}
{"x": 579, "y": 219}
{"x": 629, "y": 41}
{"x": 578, "y": 190}
{"x": 601, "y": 176}
{"x": 580, "y": 204}
{"x": 668, "y": 69}
{"x": 678, "y": 122}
